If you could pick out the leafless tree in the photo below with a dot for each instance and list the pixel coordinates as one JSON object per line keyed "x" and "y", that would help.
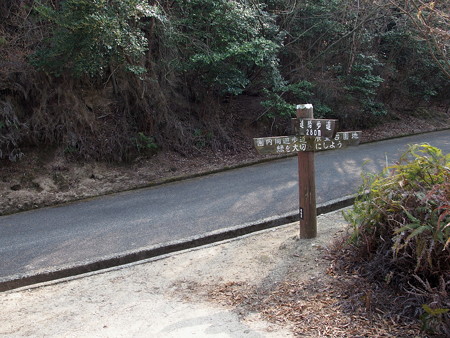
{"x": 431, "y": 20}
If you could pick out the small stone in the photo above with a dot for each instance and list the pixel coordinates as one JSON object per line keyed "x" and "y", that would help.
{"x": 96, "y": 177}
{"x": 16, "y": 187}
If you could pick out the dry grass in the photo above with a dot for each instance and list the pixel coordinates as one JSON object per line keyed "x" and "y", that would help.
{"x": 333, "y": 305}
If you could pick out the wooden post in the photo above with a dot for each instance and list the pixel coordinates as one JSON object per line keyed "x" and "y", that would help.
{"x": 311, "y": 135}
{"x": 307, "y": 184}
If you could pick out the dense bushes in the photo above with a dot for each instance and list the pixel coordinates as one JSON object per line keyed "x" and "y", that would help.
{"x": 401, "y": 230}
{"x": 94, "y": 76}
{"x": 93, "y": 38}
{"x": 225, "y": 44}
{"x": 364, "y": 57}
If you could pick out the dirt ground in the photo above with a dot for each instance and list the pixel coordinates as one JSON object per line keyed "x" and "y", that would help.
{"x": 269, "y": 284}
{"x": 47, "y": 177}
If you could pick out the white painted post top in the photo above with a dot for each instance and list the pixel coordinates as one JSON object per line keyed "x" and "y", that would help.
{"x": 304, "y": 106}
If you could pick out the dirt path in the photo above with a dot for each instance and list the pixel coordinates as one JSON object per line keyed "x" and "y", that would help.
{"x": 269, "y": 284}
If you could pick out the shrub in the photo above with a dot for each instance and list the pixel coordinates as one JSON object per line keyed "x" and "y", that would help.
{"x": 225, "y": 46}
{"x": 276, "y": 102}
{"x": 145, "y": 144}
{"x": 94, "y": 37}
{"x": 412, "y": 66}
{"x": 363, "y": 83}
{"x": 401, "y": 226}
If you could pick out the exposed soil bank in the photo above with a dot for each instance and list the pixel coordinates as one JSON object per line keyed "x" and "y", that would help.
{"x": 47, "y": 177}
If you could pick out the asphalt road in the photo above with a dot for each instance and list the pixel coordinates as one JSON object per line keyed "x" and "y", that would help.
{"x": 51, "y": 239}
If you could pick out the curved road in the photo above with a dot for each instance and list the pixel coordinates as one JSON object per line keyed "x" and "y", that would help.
{"x": 56, "y": 238}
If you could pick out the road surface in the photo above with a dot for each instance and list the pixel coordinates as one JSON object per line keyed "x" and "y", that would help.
{"x": 46, "y": 240}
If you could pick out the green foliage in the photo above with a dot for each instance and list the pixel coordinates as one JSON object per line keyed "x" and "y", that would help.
{"x": 432, "y": 318}
{"x": 335, "y": 41}
{"x": 276, "y": 103}
{"x": 362, "y": 83}
{"x": 401, "y": 221}
{"x": 365, "y": 56}
{"x": 408, "y": 204}
{"x": 94, "y": 37}
{"x": 145, "y": 144}
{"x": 315, "y": 23}
{"x": 415, "y": 69}
{"x": 202, "y": 138}
{"x": 168, "y": 67}
{"x": 277, "y": 100}
{"x": 224, "y": 44}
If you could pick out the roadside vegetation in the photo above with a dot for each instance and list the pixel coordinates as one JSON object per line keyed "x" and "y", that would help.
{"x": 117, "y": 80}
{"x": 113, "y": 80}
{"x": 400, "y": 239}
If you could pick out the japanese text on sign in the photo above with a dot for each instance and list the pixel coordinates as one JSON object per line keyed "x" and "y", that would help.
{"x": 291, "y": 144}
{"x": 315, "y": 127}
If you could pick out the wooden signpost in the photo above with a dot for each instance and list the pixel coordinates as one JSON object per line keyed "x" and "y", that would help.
{"x": 311, "y": 135}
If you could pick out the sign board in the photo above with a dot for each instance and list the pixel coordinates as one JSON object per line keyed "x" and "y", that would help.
{"x": 315, "y": 127}
{"x": 292, "y": 144}
{"x": 311, "y": 135}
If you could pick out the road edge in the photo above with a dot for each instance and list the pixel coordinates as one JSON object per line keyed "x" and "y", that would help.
{"x": 160, "y": 182}
{"x": 22, "y": 280}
